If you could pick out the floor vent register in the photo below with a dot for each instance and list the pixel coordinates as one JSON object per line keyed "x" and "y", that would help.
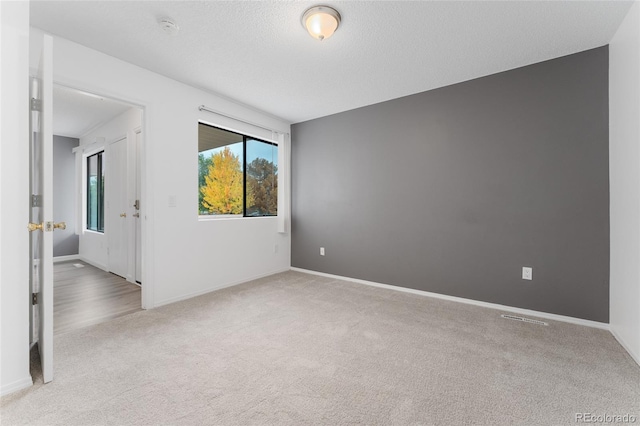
{"x": 523, "y": 319}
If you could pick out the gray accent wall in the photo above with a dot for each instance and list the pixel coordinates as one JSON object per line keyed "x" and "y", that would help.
{"x": 65, "y": 242}
{"x": 454, "y": 190}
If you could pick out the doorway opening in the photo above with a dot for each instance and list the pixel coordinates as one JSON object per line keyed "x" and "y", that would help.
{"x": 97, "y": 152}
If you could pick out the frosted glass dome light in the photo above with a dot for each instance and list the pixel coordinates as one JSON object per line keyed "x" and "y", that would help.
{"x": 321, "y": 21}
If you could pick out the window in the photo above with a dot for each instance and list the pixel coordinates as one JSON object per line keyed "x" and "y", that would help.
{"x": 95, "y": 192}
{"x": 237, "y": 174}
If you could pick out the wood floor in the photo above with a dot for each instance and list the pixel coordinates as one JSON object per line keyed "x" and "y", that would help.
{"x": 86, "y": 295}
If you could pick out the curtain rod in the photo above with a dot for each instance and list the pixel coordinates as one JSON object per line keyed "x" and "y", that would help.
{"x": 260, "y": 126}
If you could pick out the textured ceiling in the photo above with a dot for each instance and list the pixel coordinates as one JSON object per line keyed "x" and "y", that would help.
{"x": 76, "y": 113}
{"x": 258, "y": 53}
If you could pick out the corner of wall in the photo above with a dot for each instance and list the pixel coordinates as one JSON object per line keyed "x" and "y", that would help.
{"x": 624, "y": 181}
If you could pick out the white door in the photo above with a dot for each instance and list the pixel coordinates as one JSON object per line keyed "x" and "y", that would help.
{"x": 42, "y": 225}
{"x": 138, "y": 224}
{"x": 117, "y": 209}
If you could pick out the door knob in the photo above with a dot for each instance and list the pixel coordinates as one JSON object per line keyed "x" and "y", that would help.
{"x": 46, "y": 226}
{"x": 136, "y": 215}
{"x": 34, "y": 226}
{"x": 123, "y": 215}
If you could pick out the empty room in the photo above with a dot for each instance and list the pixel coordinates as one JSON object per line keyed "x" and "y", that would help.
{"x": 377, "y": 212}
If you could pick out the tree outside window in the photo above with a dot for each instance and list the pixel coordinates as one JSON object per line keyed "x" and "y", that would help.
{"x": 237, "y": 178}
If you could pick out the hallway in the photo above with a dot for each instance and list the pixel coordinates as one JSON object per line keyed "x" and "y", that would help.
{"x": 85, "y": 295}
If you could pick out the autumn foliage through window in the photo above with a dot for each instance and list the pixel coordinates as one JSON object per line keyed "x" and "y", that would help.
{"x": 237, "y": 174}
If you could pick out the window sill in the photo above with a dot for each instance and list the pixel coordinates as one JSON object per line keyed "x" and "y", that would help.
{"x": 91, "y": 231}
{"x": 207, "y": 218}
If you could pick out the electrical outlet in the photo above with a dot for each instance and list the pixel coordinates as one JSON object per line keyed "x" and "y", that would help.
{"x": 321, "y": 251}
{"x": 527, "y": 273}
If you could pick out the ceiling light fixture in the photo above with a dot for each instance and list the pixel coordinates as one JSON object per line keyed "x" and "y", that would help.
{"x": 321, "y": 21}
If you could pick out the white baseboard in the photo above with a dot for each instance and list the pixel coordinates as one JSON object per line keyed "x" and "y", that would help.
{"x": 216, "y": 288}
{"x": 634, "y": 356}
{"x": 66, "y": 258}
{"x": 96, "y": 264}
{"x": 23, "y": 383}
{"x": 521, "y": 311}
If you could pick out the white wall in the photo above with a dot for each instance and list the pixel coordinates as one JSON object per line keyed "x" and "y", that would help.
{"x": 14, "y": 199}
{"x": 93, "y": 248}
{"x": 93, "y": 245}
{"x": 115, "y": 129}
{"x": 183, "y": 256}
{"x": 624, "y": 162}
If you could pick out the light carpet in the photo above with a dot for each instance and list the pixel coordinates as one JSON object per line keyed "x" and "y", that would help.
{"x": 299, "y": 349}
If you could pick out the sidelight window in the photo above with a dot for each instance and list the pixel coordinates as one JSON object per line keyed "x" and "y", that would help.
{"x": 95, "y": 192}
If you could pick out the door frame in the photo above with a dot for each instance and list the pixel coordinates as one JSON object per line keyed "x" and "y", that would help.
{"x": 134, "y": 171}
{"x": 147, "y": 299}
{"x": 110, "y": 210}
